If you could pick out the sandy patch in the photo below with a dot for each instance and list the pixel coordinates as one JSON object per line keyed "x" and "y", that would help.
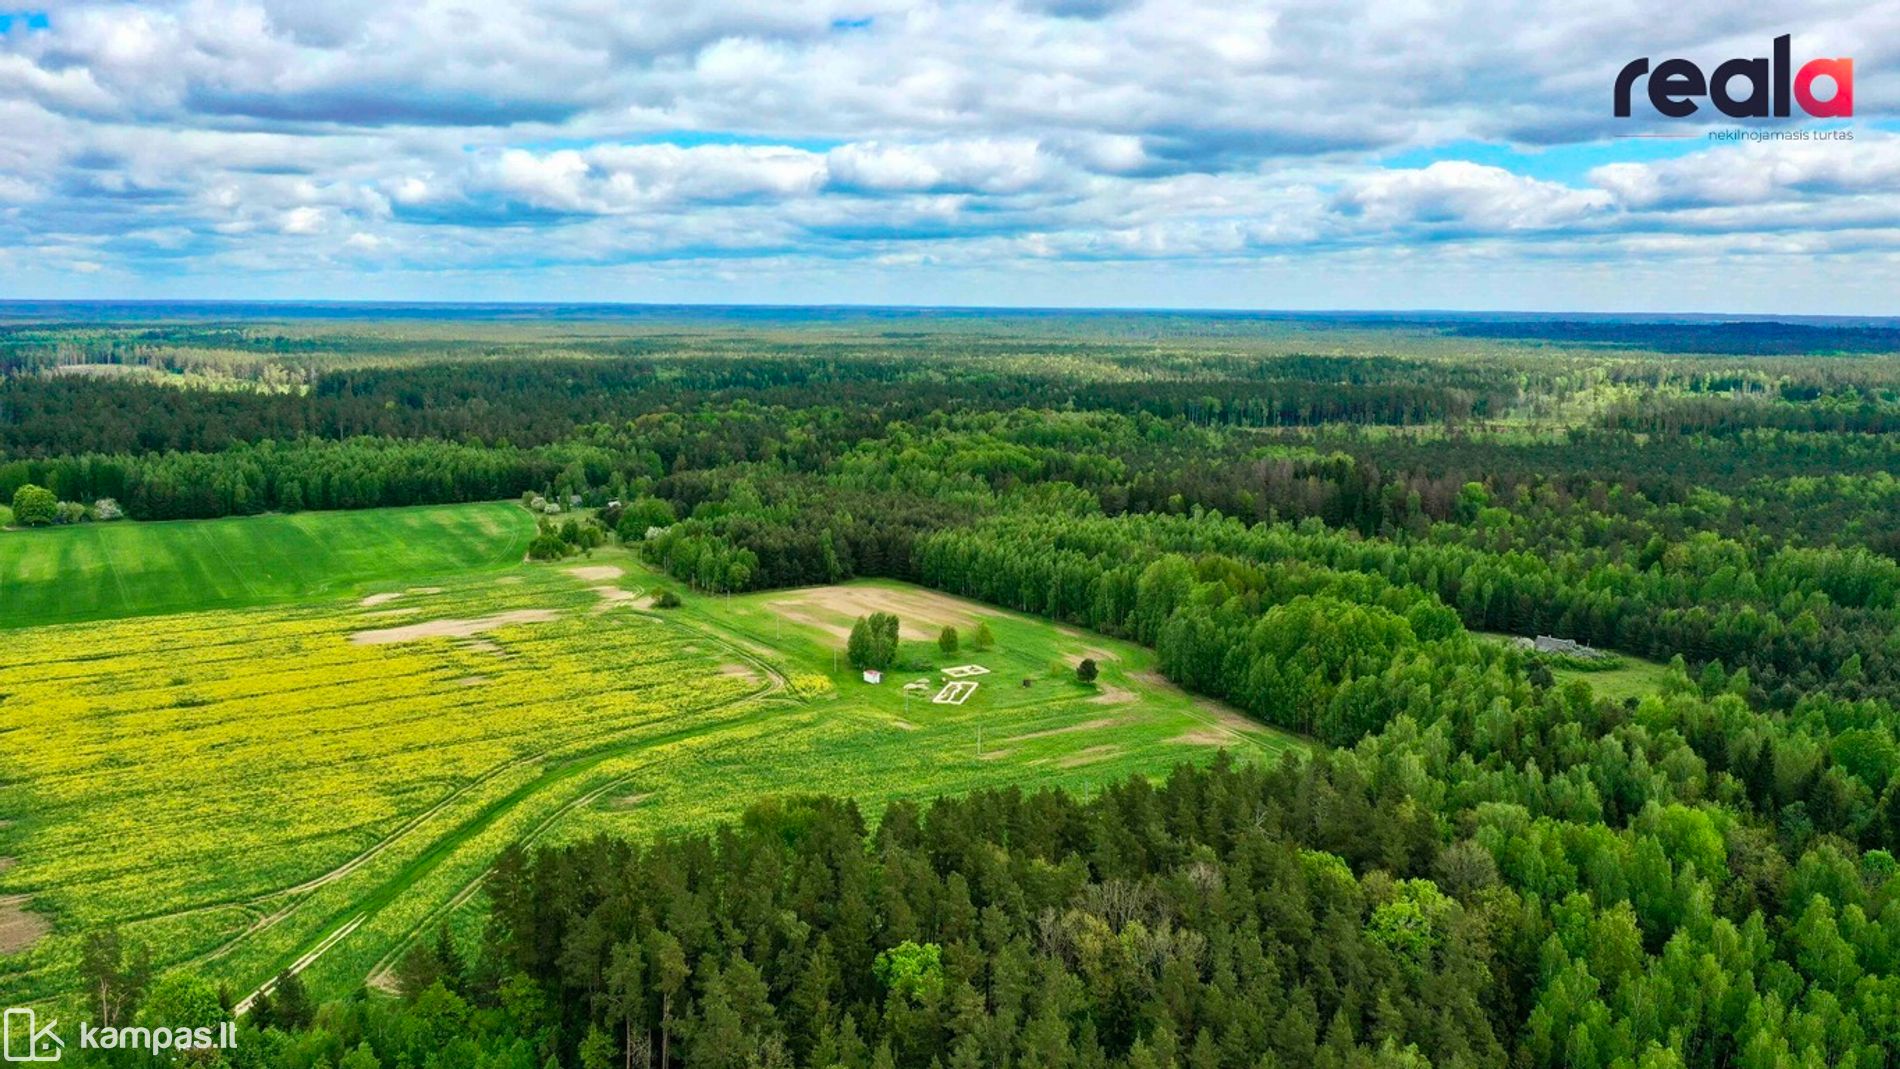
{"x": 1089, "y": 756}
{"x": 452, "y": 628}
{"x": 628, "y": 801}
{"x": 379, "y": 599}
{"x": 596, "y": 573}
{"x": 425, "y": 590}
{"x": 739, "y": 671}
{"x": 19, "y": 927}
{"x": 921, "y": 613}
{"x": 474, "y": 681}
{"x": 611, "y": 596}
{"x": 1070, "y": 729}
{"x": 1114, "y": 696}
{"x": 903, "y": 725}
{"x": 1205, "y": 737}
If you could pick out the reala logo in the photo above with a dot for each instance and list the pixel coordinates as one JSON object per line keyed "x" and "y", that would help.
{"x": 1676, "y": 83}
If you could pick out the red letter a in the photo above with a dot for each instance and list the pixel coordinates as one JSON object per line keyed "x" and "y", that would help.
{"x": 1841, "y": 104}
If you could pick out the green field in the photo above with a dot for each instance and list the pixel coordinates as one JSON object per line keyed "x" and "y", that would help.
{"x": 103, "y": 571}
{"x": 1635, "y": 677}
{"x": 357, "y": 762}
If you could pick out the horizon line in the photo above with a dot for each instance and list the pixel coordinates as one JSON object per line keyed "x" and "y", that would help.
{"x": 848, "y": 306}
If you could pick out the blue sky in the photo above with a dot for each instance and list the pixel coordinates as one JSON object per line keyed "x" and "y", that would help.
{"x": 1320, "y": 154}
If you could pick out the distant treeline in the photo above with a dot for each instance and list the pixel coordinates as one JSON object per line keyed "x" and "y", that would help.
{"x": 1756, "y": 338}
{"x": 535, "y": 402}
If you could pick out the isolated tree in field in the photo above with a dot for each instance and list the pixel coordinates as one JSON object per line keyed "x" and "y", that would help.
{"x": 947, "y": 640}
{"x": 34, "y": 506}
{"x": 982, "y": 639}
{"x": 884, "y": 627}
{"x": 548, "y": 546}
{"x": 1086, "y": 670}
{"x": 873, "y": 641}
{"x": 857, "y": 648}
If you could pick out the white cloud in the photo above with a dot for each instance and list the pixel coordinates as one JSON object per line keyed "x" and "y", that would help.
{"x": 924, "y": 134}
{"x": 1459, "y": 195}
{"x": 304, "y": 220}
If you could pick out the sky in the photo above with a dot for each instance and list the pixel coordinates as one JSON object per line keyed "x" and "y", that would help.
{"x": 1333, "y": 154}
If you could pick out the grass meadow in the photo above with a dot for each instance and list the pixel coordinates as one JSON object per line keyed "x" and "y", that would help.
{"x": 101, "y": 571}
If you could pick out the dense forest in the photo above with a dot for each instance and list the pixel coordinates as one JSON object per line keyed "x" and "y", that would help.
{"x": 1328, "y": 529}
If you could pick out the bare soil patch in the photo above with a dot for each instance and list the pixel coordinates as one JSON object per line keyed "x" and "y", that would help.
{"x": 611, "y": 596}
{"x": 379, "y": 599}
{"x": 1089, "y": 756}
{"x": 903, "y": 725}
{"x": 1070, "y": 729}
{"x": 1205, "y": 737}
{"x": 1112, "y": 695}
{"x": 922, "y": 613}
{"x": 474, "y": 681}
{"x": 738, "y": 671}
{"x": 596, "y": 573}
{"x": 629, "y": 801}
{"x": 453, "y": 628}
{"x": 20, "y": 928}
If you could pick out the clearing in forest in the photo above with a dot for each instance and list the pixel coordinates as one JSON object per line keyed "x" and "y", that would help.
{"x": 357, "y": 763}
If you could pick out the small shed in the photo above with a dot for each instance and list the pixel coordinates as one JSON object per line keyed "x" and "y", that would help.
{"x": 872, "y": 675}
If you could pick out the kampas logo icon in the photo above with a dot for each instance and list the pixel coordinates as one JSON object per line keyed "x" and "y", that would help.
{"x": 1675, "y": 83}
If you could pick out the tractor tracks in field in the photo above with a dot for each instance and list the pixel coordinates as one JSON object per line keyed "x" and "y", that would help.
{"x": 381, "y": 974}
{"x": 269, "y": 910}
{"x": 347, "y": 921}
